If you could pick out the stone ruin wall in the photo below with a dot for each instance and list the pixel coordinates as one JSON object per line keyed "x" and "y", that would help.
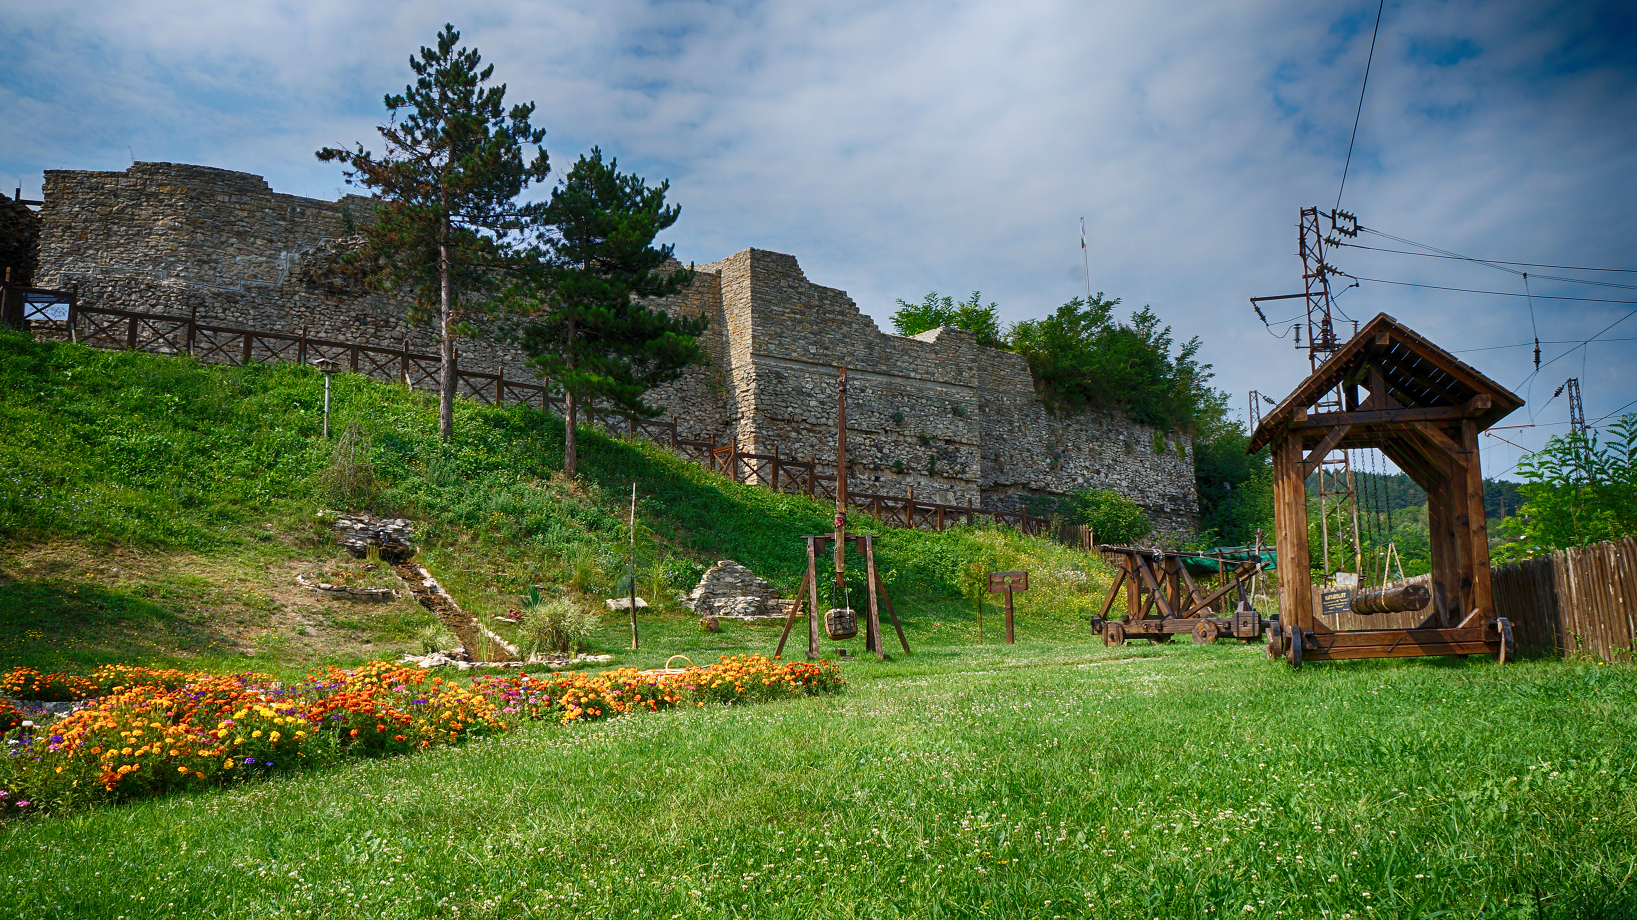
{"x": 221, "y": 245}
{"x": 935, "y": 413}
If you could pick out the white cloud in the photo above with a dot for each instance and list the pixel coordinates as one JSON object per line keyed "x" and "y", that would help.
{"x": 900, "y": 147}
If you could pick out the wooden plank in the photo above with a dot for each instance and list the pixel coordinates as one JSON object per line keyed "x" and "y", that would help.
{"x": 1299, "y": 567}
{"x": 1379, "y": 416}
{"x": 1404, "y": 650}
{"x": 1374, "y": 637}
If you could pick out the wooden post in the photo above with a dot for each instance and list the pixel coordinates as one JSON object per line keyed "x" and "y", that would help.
{"x": 301, "y": 349}
{"x": 193, "y": 326}
{"x": 872, "y": 626}
{"x": 244, "y": 357}
{"x": 403, "y": 364}
{"x": 812, "y": 606}
{"x": 500, "y": 397}
{"x": 73, "y": 323}
{"x": 1478, "y": 525}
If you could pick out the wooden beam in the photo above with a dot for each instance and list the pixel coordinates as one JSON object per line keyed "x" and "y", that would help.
{"x": 1482, "y": 598}
{"x": 1328, "y": 444}
{"x": 1440, "y": 440}
{"x": 1379, "y": 416}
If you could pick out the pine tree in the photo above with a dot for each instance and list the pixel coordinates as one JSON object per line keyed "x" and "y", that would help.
{"x": 588, "y": 330}
{"x": 448, "y": 181}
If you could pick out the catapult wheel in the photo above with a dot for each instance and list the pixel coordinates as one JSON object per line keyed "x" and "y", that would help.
{"x": 1113, "y": 633}
{"x": 1205, "y": 632}
{"x": 1160, "y": 639}
{"x": 1275, "y": 642}
{"x": 1293, "y": 654}
{"x": 1509, "y": 646}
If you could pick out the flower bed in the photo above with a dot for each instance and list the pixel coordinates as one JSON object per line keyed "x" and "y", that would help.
{"x": 581, "y": 697}
{"x": 144, "y": 732}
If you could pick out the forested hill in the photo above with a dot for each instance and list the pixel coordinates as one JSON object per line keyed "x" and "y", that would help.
{"x": 1393, "y": 492}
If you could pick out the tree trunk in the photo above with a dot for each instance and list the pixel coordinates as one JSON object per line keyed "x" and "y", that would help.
{"x": 571, "y": 443}
{"x": 571, "y": 450}
{"x": 446, "y": 345}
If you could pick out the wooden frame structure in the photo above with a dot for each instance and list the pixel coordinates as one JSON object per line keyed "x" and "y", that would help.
{"x": 1424, "y": 409}
{"x": 807, "y": 597}
{"x": 1163, "y": 600}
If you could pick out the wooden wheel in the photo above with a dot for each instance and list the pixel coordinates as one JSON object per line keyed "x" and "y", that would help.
{"x": 1205, "y": 632}
{"x": 1293, "y": 655}
{"x": 1509, "y": 646}
{"x": 1275, "y": 639}
{"x": 1113, "y": 633}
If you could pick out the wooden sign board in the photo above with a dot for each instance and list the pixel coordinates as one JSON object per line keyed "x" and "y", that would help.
{"x": 1336, "y": 600}
{"x": 1008, "y": 582}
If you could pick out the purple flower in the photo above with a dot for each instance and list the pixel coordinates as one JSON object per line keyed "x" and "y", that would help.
{"x": 250, "y": 760}
{"x": 23, "y": 803}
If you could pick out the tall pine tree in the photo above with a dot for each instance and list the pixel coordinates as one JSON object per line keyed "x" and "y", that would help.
{"x": 448, "y": 181}
{"x": 588, "y": 329}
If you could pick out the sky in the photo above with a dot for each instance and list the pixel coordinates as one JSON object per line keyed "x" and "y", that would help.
{"x": 897, "y": 148}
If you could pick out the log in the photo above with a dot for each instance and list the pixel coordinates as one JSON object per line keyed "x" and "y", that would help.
{"x": 1392, "y": 600}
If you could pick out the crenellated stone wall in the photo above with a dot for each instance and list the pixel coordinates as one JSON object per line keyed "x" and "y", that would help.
{"x": 937, "y": 413}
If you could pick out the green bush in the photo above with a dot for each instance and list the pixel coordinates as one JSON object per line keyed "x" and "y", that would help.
{"x": 1113, "y": 518}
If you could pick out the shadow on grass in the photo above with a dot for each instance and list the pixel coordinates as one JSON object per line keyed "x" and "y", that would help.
{"x": 57, "y": 626}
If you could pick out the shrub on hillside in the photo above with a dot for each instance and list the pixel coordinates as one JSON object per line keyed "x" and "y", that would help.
{"x": 1113, "y": 518}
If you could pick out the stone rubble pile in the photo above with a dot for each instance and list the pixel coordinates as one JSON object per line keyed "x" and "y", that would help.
{"x": 731, "y": 591}
{"x": 357, "y": 531}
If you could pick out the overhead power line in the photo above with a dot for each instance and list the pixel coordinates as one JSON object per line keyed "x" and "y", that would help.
{"x": 1440, "y": 287}
{"x": 1358, "y": 114}
{"x": 1442, "y": 255}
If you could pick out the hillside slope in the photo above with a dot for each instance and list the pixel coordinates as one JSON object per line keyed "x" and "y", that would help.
{"x": 157, "y": 507}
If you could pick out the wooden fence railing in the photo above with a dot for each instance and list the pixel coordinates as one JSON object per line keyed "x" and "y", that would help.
{"x": 1580, "y": 600}
{"x": 125, "y": 329}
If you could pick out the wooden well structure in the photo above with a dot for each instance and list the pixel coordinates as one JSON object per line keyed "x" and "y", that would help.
{"x": 1391, "y": 390}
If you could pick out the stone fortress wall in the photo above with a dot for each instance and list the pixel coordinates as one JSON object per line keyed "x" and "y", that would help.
{"x": 936, "y": 413}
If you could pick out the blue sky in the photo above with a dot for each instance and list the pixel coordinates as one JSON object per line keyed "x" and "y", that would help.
{"x": 902, "y": 147}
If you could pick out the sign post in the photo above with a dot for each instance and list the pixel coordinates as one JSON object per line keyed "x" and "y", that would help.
{"x": 1007, "y": 583}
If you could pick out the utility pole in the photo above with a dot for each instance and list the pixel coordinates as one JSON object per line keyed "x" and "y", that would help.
{"x": 1337, "y": 499}
{"x": 1577, "y": 409}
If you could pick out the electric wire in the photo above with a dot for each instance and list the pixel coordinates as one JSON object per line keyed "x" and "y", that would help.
{"x": 1439, "y": 287}
{"x": 1493, "y": 263}
{"x": 1358, "y": 114}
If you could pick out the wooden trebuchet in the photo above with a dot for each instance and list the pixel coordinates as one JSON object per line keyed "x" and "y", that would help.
{"x": 1392, "y": 600}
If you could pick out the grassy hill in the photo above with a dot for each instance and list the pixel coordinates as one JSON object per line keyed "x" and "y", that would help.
{"x": 156, "y": 511}
{"x": 154, "y": 507}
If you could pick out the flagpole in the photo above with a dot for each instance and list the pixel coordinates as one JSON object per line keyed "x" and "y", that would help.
{"x": 1086, "y": 258}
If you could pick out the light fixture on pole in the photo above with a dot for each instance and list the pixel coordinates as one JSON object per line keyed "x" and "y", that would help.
{"x": 326, "y": 366}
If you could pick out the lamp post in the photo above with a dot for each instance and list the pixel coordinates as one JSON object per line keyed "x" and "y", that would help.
{"x": 326, "y": 366}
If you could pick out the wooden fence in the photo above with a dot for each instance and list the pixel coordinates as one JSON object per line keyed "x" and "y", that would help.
{"x": 124, "y": 329}
{"x": 1575, "y": 601}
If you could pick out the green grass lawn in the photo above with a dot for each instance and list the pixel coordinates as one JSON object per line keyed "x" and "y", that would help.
{"x": 1049, "y": 779}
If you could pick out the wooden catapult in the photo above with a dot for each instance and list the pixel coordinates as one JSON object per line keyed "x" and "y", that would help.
{"x": 1390, "y": 390}
{"x": 840, "y": 623}
{"x": 1163, "y": 600}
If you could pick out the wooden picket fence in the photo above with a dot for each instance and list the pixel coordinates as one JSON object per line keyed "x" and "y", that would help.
{"x": 125, "y": 329}
{"x": 1576, "y": 601}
